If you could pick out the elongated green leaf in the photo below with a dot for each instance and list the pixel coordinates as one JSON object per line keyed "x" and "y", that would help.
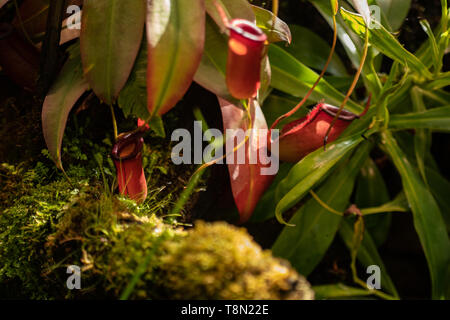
{"x": 313, "y": 51}
{"x": 395, "y": 11}
{"x": 428, "y": 220}
{"x": 439, "y": 186}
{"x": 385, "y": 42}
{"x": 422, "y": 137}
{"x": 434, "y": 46}
{"x": 349, "y": 40}
{"x": 352, "y": 44}
{"x": 436, "y": 119}
{"x": 315, "y": 227}
{"x": 371, "y": 191}
{"x": 67, "y": 89}
{"x": 441, "y": 81}
{"x": 175, "y": 36}
{"x": 342, "y": 83}
{"x": 399, "y": 204}
{"x": 367, "y": 254}
{"x": 309, "y": 171}
{"x": 265, "y": 208}
{"x": 111, "y": 33}
{"x": 133, "y": 97}
{"x": 278, "y": 31}
{"x": 277, "y": 104}
{"x": 336, "y": 291}
{"x": 293, "y": 77}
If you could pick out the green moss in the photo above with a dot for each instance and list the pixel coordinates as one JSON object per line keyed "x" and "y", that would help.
{"x": 48, "y": 223}
{"x": 219, "y": 261}
{"x": 24, "y": 228}
{"x": 114, "y": 241}
{"x": 138, "y": 250}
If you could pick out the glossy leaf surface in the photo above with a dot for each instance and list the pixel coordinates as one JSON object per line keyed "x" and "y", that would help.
{"x": 175, "y": 37}
{"x": 67, "y": 89}
{"x": 111, "y": 33}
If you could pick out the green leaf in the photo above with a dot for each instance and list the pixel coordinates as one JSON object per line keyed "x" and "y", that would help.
{"x": 293, "y": 77}
{"x": 434, "y": 46}
{"x": 439, "y": 186}
{"x": 428, "y": 220}
{"x": 371, "y": 191}
{"x": 277, "y": 104}
{"x": 157, "y": 125}
{"x": 309, "y": 171}
{"x": 422, "y": 137}
{"x": 353, "y": 45}
{"x": 399, "y": 204}
{"x": 133, "y": 97}
{"x": 67, "y": 89}
{"x": 314, "y": 229}
{"x": 437, "y": 119}
{"x": 385, "y": 42}
{"x": 111, "y": 33}
{"x": 175, "y": 37}
{"x": 313, "y": 51}
{"x": 395, "y": 11}
{"x": 278, "y": 31}
{"x": 350, "y": 41}
{"x": 342, "y": 83}
{"x": 265, "y": 209}
{"x": 335, "y": 291}
{"x": 439, "y": 82}
{"x": 367, "y": 254}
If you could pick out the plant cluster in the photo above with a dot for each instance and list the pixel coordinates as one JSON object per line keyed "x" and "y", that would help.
{"x": 142, "y": 56}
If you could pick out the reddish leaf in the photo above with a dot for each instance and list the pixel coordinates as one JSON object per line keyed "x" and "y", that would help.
{"x": 67, "y": 89}
{"x": 176, "y": 36}
{"x": 247, "y": 181}
{"x": 111, "y": 35}
{"x": 3, "y": 2}
{"x": 68, "y": 34}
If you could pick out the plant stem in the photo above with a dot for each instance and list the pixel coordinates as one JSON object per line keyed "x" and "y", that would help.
{"x": 352, "y": 87}
{"x": 187, "y": 192}
{"x": 324, "y": 205}
{"x": 275, "y": 7}
{"x": 311, "y": 90}
{"x": 114, "y": 122}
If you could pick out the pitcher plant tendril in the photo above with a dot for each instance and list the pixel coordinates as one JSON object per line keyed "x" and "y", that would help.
{"x": 352, "y": 87}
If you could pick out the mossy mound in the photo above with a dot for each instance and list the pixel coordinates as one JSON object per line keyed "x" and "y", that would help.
{"x": 125, "y": 250}
{"x": 220, "y": 261}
